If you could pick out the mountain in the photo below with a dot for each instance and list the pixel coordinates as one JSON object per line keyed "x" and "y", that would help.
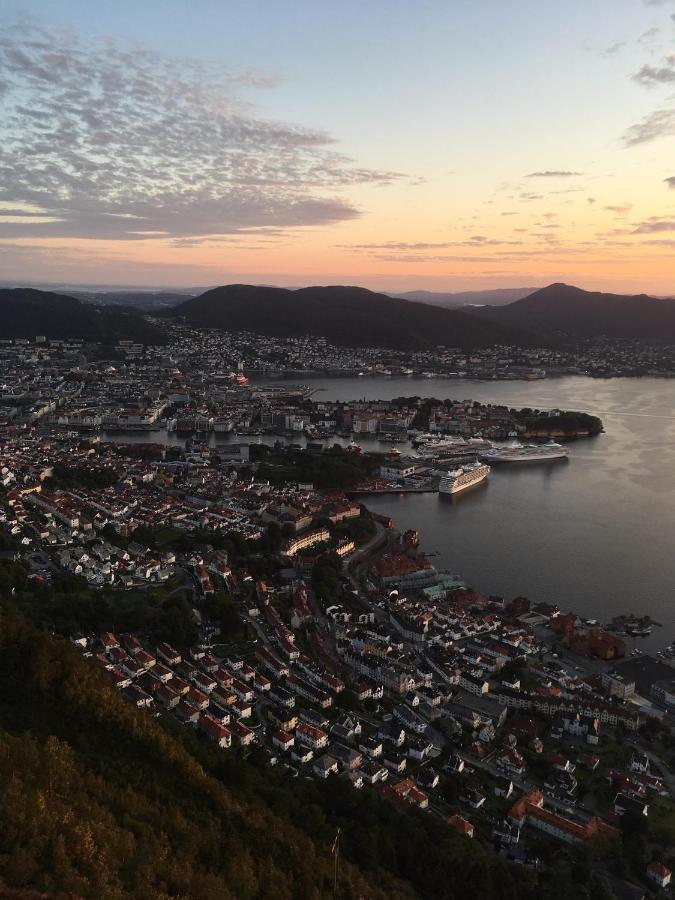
{"x": 561, "y": 310}
{"x": 347, "y": 316}
{"x": 498, "y": 297}
{"x": 25, "y": 313}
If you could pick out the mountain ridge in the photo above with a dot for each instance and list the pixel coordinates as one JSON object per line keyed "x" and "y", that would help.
{"x": 565, "y": 311}
{"x": 27, "y": 312}
{"x": 343, "y": 315}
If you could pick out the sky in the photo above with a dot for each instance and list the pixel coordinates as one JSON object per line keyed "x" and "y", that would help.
{"x": 396, "y": 144}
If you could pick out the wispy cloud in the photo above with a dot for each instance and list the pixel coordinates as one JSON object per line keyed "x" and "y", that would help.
{"x": 620, "y": 209}
{"x": 650, "y": 76}
{"x": 654, "y": 226}
{"x": 658, "y": 124}
{"x": 119, "y": 142}
{"x": 670, "y": 182}
{"x": 553, "y": 173}
{"x": 477, "y": 240}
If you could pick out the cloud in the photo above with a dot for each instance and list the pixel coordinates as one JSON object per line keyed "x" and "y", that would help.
{"x": 478, "y": 240}
{"x": 553, "y": 173}
{"x": 620, "y": 210}
{"x": 648, "y": 36}
{"x": 654, "y": 226}
{"x": 649, "y": 76}
{"x": 118, "y": 142}
{"x": 670, "y": 182}
{"x": 658, "y": 124}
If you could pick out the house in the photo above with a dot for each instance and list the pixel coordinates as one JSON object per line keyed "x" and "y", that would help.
{"x": 506, "y": 833}
{"x": 204, "y": 682}
{"x": 503, "y": 787}
{"x": 283, "y": 740}
{"x": 408, "y": 791}
{"x": 579, "y": 725}
{"x": 168, "y": 654}
{"x": 347, "y": 756}
{"x": 283, "y": 718}
{"x": 510, "y": 761}
{"x": 301, "y": 754}
{"x": 355, "y": 779}
{"x": 138, "y": 696}
{"x": 315, "y": 738}
{"x": 461, "y": 825}
{"x": 624, "y": 803}
{"x": 428, "y": 778}
{"x": 187, "y": 713}
{"x": 324, "y": 766}
{"x": 198, "y": 699}
{"x": 243, "y": 735}
{"x": 348, "y": 726}
{"x": 659, "y": 874}
{"x": 393, "y": 733}
{"x": 215, "y": 731}
{"x": 241, "y": 709}
{"x": 219, "y": 713}
{"x": 639, "y": 763}
{"x": 455, "y": 765}
{"x": 419, "y": 748}
{"x": 473, "y": 798}
{"x": 372, "y": 772}
{"x": 109, "y": 642}
{"x": 371, "y": 747}
{"x": 394, "y": 762}
{"x": 166, "y": 696}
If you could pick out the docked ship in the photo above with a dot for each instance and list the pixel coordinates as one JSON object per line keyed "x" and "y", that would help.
{"x": 525, "y": 453}
{"x": 461, "y": 479}
{"x": 452, "y": 446}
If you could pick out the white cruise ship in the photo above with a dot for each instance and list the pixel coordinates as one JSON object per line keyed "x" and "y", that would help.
{"x": 525, "y": 453}
{"x": 461, "y": 479}
{"x": 452, "y": 446}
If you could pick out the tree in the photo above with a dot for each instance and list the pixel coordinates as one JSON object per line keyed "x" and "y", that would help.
{"x": 600, "y": 887}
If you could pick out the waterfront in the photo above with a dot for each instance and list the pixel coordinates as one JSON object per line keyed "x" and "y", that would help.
{"x": 595, "y": 534}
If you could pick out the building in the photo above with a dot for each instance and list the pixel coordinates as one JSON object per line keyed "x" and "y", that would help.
{"x": 616, "y": 685}
{"x": 461, "y": 825}
{"x": 529, "y": 810}
{"x": 659, "y": 874}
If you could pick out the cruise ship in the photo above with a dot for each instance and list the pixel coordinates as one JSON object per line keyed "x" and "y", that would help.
{"x": 452, "y": 446}
{"x": 461, "y": 479}
{"x": 525, "y": 453}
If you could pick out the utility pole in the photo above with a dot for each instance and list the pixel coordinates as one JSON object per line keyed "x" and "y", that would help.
{"x": 336, "y": 862}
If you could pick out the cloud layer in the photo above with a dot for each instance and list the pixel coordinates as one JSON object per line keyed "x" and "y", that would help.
{"x": 120, "y": 143}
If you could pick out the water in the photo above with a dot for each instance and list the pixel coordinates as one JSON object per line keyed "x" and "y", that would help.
{"x": 595, "y": 534}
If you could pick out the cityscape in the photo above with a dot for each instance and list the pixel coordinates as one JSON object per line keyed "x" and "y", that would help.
{"x": 335, "y": 562}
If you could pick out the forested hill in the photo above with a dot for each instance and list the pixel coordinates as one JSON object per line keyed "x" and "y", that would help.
{"x": 346, "y": 316}
{"x": 561, "y": 310}
{"x": 26, "y": 313}
{"x": 101, "y": 800}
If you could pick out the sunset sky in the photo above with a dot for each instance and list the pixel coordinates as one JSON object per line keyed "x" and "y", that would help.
{"x": 397, "y": 144}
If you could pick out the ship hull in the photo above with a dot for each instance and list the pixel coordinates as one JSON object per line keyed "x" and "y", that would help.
{"x": 525, "y": 459}
{"x": 458, "y": 486}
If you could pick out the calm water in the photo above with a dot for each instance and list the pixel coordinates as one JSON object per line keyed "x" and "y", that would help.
{"x": 595, "y": 534}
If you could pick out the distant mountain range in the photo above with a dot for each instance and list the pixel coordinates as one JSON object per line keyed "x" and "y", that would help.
{"x": 499, "y": 297}
{"x": 25, "y": 313}
{"x": 561, "y": 311}
{"x": 346, "y": 316}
